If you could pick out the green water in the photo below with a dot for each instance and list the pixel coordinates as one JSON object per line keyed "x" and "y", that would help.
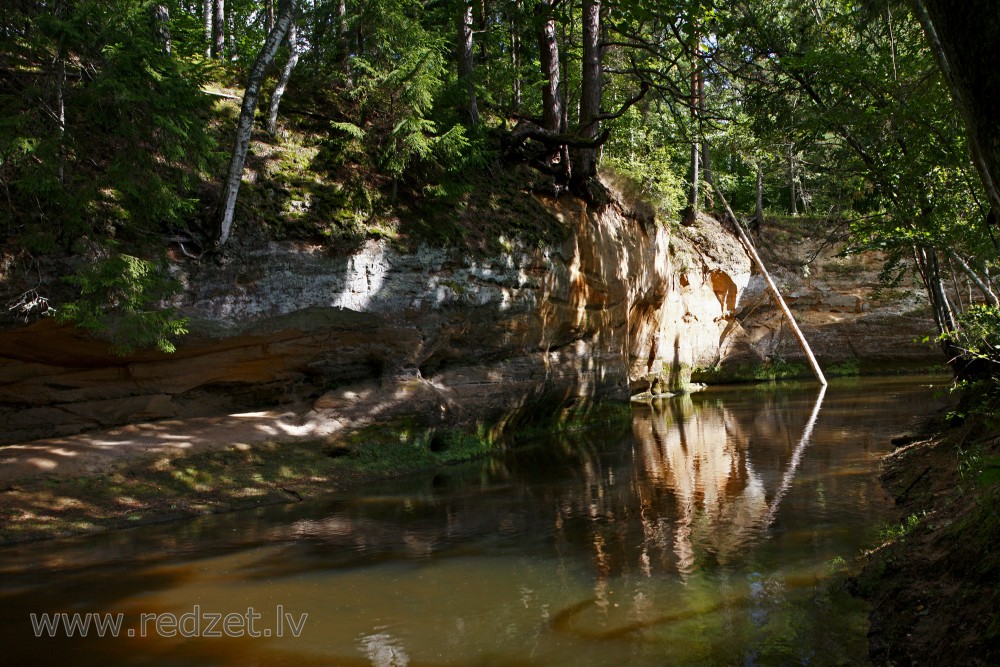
{"x": 709, "y": 531}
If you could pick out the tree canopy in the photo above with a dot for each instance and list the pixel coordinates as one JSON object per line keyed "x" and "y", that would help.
{"x": 120, "y": 119}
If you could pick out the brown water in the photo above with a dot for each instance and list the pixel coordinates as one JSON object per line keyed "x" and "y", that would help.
{"x": 707, "y": 532}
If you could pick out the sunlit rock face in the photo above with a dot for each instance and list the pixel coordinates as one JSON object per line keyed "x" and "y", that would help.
{"x": 853, "y": 321}
{"x": 618, "y": 306}
{"x": 621, "y": 306}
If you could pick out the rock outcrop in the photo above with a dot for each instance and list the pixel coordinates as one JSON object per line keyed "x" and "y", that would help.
{"x": 619, "y": 307}
{"x": 854, "y": 323}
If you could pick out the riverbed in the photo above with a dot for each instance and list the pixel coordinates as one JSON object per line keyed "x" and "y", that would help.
{"x": 711, "y": 530}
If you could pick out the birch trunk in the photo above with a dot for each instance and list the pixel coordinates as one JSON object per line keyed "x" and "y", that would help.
{"x": 208, "y": 8}
{"x": 465, "y": 61}
{"x": 286, "y": 74}
{"x": 930, "y": 272}
{"x": 234, "y": 176}
{"x": 987, "y": 292}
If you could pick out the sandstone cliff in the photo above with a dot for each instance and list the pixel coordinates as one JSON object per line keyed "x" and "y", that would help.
{"x": 619, "y": 307}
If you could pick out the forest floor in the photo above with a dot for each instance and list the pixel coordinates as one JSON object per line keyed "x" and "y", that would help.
{"x": 934, "y": 584}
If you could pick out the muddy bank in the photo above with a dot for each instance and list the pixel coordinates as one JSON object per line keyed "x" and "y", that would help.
{"x": 934, "y": 584}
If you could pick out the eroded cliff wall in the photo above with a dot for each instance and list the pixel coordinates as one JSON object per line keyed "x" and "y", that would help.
{"x": 435, "y": 334}
{"x": 619, "y": 307}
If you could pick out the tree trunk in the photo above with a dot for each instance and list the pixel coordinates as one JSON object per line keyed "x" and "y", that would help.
{"x": 483, "y": 27}
{"x": 234, "y": 175}
{"x": 61, "y": 100}
{"x": 208, "y": 8}
{"x": 752, "y": 252}
{"x": 218, "y": 29}
{"x": 694, "y": 203}
{"x": 465, "y": 61}
{"x": 965, "y": 39}
{"x": 759, "y": 209}
{"x": 230, "y": 32}
{"x": 343, "y": 43}
{"x": 584, "y": 160}
{"x": 286, "y": 74}
{"x": 706, "y": 153}
{"x": 269, "y": 9}
{"x": 930, "y": 272}
{"x": 515, "y": 60}
{"x": 159, "y": 16}
{"x": 548, "y": 49}
{"x": 791, "y": 179}
{"x": 984, "y": 288}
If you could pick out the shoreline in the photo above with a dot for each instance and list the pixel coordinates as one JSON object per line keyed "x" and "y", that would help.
{"x": 934, "y": 582}
{"x": 144, "y": 474}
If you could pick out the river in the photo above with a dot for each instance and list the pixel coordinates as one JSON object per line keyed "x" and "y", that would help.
{"x": 711, "y": 530}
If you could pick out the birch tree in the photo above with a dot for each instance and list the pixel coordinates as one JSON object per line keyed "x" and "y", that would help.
{"x": 223, "y": 219}
{"x": 286, "y": 74}
{"x": 465, "y": 61}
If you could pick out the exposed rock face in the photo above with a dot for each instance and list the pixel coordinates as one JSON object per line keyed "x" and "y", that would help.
{"x": 619, "y": 304}
{"x": 619, "y": 307}
{"x": 851, "y": 320}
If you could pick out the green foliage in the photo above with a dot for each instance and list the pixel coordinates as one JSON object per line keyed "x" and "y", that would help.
{"x": 900, "y": 530}
{"x": 134, "y": 144}
{"x": 978, "y": 466}
{"x": 396, "y": 103}
{"x": 978, "y": 335}
{"x": 119, "y": 297}
{"x": 646, "y": 164}
{"x": 846, "y": 368}
{"x": 404, "y": 446}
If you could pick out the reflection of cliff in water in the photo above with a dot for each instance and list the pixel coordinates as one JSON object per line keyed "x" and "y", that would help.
{"x": 698, "y": 464}
{"x": 693, "y": 487}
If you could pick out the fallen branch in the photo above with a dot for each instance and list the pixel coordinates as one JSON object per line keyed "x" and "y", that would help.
{"x": 218, "y": 94}
{"x": 752, "y": 252}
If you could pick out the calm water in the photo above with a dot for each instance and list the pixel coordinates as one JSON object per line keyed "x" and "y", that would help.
{"x": 707, "y": 532}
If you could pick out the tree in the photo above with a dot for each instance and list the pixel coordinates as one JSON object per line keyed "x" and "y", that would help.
{"x": 465, "y": 60}
{"x": 226, "y": 209}
{"x": 585, "y": 156}
{"x": 548, "y": 50}
{"x": 218, "y": 29}
{"x": 970, "y": 67}
{"x": 286, "y": 74}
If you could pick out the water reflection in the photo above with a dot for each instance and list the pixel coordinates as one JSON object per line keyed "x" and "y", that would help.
{"x": 706, "y": 481}
{"x": 698, "y": 534}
